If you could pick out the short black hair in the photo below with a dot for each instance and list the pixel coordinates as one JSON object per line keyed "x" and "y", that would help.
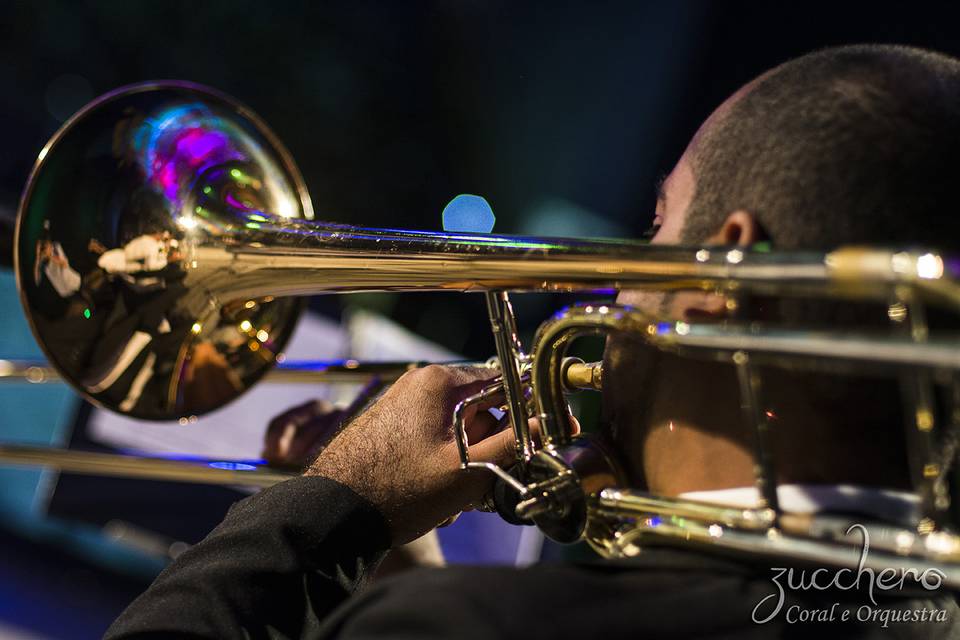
{"x": 848, "y": 145}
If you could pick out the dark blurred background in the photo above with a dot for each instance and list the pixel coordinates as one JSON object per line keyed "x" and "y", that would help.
{"x": 563, "y": 115}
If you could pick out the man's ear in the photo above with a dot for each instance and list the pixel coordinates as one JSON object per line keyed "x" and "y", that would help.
{"x": 740, "y": 228}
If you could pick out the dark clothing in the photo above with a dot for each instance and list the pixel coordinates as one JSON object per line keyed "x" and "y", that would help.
{"x": 284, "y": 563}
{"x": 280, "y": 561}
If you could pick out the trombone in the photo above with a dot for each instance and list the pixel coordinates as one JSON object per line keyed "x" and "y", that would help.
{"x": 165, "y": 232}
{"x": 345, "y": 371}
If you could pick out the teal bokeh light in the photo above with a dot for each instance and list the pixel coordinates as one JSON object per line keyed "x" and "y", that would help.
{"x": 468, "y": 214}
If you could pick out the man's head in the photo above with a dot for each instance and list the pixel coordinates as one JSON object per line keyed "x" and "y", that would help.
{"x": 854, "y": 145}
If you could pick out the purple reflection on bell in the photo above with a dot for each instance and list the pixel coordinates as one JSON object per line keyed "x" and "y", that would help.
{"x": 181, "y": 143}
{"x": 197, "y": 145}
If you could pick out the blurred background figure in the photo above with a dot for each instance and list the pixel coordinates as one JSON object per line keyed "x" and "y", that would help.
{"x": 52, "y": 262}
{"x": 563, "y": 117}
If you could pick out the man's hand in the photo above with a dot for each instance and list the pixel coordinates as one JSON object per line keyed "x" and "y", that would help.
{"x": 295, "y": 437}
{"x": 401, "y": 456}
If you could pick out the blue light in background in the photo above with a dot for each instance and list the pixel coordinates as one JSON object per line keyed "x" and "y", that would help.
{"x": 232, "y": 466}
{"x": 469, "y": 214}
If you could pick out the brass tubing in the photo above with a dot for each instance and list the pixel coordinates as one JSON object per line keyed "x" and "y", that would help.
{"x": 552, "y": 374}
{"x": 637, "y": 504}
{"x": 291, "y": 372}
{"x": 113, "y": 464}
{"x": 304, "y": 257}
{"x": 578, "y": 375}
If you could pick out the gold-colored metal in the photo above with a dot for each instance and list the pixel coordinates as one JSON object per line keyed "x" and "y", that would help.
{"x": 289, "y": 372}
{"x": 164, "y": 231}
{"x": 248, "y": 473}
{"x": 579, "y": 375}
{"x": 620, "y": 502}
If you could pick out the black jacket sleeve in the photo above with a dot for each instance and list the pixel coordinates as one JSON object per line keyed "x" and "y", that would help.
{"x": 279, "y": 562}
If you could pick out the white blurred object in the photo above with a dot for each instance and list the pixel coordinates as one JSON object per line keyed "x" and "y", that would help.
{"x": 143, "y": 253}
{"x": 374, "y": 337}
{"x": 65, "y": 280}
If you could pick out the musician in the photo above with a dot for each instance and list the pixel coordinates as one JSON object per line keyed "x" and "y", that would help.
{"x": 848, "y": 145}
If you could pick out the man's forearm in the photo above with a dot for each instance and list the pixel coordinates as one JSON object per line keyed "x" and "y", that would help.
{"x": 280, "y": 560}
